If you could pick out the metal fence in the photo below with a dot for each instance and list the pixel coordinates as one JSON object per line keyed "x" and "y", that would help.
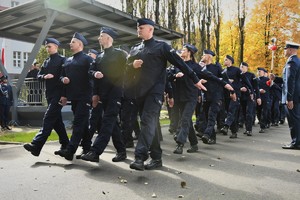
{"x": 32, "y": 93}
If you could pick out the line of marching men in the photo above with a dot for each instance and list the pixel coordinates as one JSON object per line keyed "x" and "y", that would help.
{"x": 255, "y": 96}
{"x": 101, "y": 86}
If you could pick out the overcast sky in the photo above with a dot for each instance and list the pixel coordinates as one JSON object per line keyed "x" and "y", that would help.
{"x": 229, "y": 7}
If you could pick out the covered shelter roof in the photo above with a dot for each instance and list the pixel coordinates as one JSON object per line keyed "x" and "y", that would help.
{"x": 38, "y": 19}
{"x": 25, "y": 22}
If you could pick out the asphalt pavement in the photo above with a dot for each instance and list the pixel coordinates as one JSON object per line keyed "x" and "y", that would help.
{"x": 249, "y": 167}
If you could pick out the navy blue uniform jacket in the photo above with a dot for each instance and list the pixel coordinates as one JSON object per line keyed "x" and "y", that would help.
{"x": 52, "y": 65}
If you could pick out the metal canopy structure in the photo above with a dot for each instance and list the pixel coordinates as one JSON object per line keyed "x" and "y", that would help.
{"x": 34, "y": 21}
{"x": 26, "y": 21}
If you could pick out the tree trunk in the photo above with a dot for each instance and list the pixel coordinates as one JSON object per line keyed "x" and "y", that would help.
{"x": 156, "y": 11}
{"x": 172, "y": 14}
{"x": 129, "y": 6}
{"x": 217, "y": 19}
{"x": 201, "y": 17}
{"x": 208, "y": 23}
{"x": 241, "y": 18}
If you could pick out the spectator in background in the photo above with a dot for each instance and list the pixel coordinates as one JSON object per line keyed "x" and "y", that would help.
{"x": 6, "y": 101}
{"x": 33, "y": 86}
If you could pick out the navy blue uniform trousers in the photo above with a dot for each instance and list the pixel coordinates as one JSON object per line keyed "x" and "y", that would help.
{"x": 52, "y": 120}
{"x": 149, "y": 108}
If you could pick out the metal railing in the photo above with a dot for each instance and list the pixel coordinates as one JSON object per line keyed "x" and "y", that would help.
{"x": 32, "y": 93}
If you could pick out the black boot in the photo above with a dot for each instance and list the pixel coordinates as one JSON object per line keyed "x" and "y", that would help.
{"x": 119, "y": 157}
{"x": 192, "y": 149}
{"x": 224, "y": 130}
{"x": 91, "y": 156}
{"x": 153, "y": 164}
{"x": 137, "y": 164}
{"x": 33, "y": 149}
{"x": 179, "y": 149}
{"x": 65, "y": 153}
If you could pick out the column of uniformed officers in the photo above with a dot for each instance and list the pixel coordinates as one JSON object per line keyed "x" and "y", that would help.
{"x": 109, "y": 90}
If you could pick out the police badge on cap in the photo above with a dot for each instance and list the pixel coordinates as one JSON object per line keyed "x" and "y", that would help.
{"x": 52, "y": 40}
{"x": 112, "y": 33}
{"x": 144, "y": 21}
{"x": 81, "y": 38}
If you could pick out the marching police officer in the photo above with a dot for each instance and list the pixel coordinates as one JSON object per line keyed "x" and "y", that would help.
{"x": 235, "y": 75}
{"x": 148, "y": 60}
{"x": 108, "y": 72}
{"x": 50, "y": 73}
{"x": 291, "y": 93}
{"x": 263, "y": 109}
{"x": 213, "y": 98}
{"x": 249, "y": 99}
{"x": 78, "y": 90}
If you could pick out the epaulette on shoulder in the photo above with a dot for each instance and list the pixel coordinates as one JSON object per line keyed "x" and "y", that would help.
{"x": 136, "y": 45}
{"x": 291, "y": 59}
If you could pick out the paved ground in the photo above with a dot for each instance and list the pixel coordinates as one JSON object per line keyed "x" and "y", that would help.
{"x": 245, "y": 168}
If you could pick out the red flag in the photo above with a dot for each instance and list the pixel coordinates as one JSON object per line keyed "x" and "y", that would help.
{"x": 3, "y": 52}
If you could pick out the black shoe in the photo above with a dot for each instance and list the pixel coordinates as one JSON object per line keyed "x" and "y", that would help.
{"x": 119, "y": 157}
{"x": 129, "y": 144}
{"x": 281, "y": 121}
{"x": 233, "y": 135}
{"x": 90, "y": 156}
{"x": 33, "y": 149}
{"x": 179, "y": 149}
{"x": 7, "y": 127}
{"x": 224, "y": 130}
{"x": 262, "y": 130}
{"x": 64, "y": 153}
{"x": 83, "y": 152}
{"x": 211, "y": 141}
{"x": 192, "y": 149}
{"x": 249, "y": 133}
{"x": 153, "y": 164}
{"x": 137, "y": 164}
{"x": 205, "y": 139}
{"x": 245, "y": 133}
{"x": 291, "y": 146}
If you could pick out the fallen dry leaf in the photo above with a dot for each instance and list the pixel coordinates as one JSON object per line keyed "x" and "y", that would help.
{"x": 183, "y": 184}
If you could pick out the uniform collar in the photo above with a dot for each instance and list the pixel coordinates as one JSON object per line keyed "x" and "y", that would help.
{"x": 78, "y": 54}
{"x": 147, "y": 42}
{"x": 53, "y": 55}
{"x": 109, "y": 49}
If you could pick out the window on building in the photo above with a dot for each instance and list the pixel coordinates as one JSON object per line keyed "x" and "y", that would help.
{"x": 14, "y": 3}
{"x": 17, "y": 59}
{"x": 25, "y": 58}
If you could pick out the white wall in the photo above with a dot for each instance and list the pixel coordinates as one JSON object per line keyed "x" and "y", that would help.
{"x": 14, "y": 45}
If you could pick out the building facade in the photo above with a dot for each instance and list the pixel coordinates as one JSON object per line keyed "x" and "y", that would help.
{"x": 15, "y": 52}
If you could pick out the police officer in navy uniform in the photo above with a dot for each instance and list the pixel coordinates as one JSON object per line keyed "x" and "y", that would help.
{"x": 186, "y": 99}
{"x": 264, "y": 89}
{"x": 213, "y": 98}
{"x": 50, "y": 74}
{"x": 276, "y": 94}
{"x": 95, "y": 119}
{"x": 6, "y": 101}
{"x": 108, "y": 72}
{"x": 249, "y": 99}
{"x": 291, "y": 93}
{"x": 78, "y": 89}
{"x": 149, "y": 60}
{"x": 235, "y": 77}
